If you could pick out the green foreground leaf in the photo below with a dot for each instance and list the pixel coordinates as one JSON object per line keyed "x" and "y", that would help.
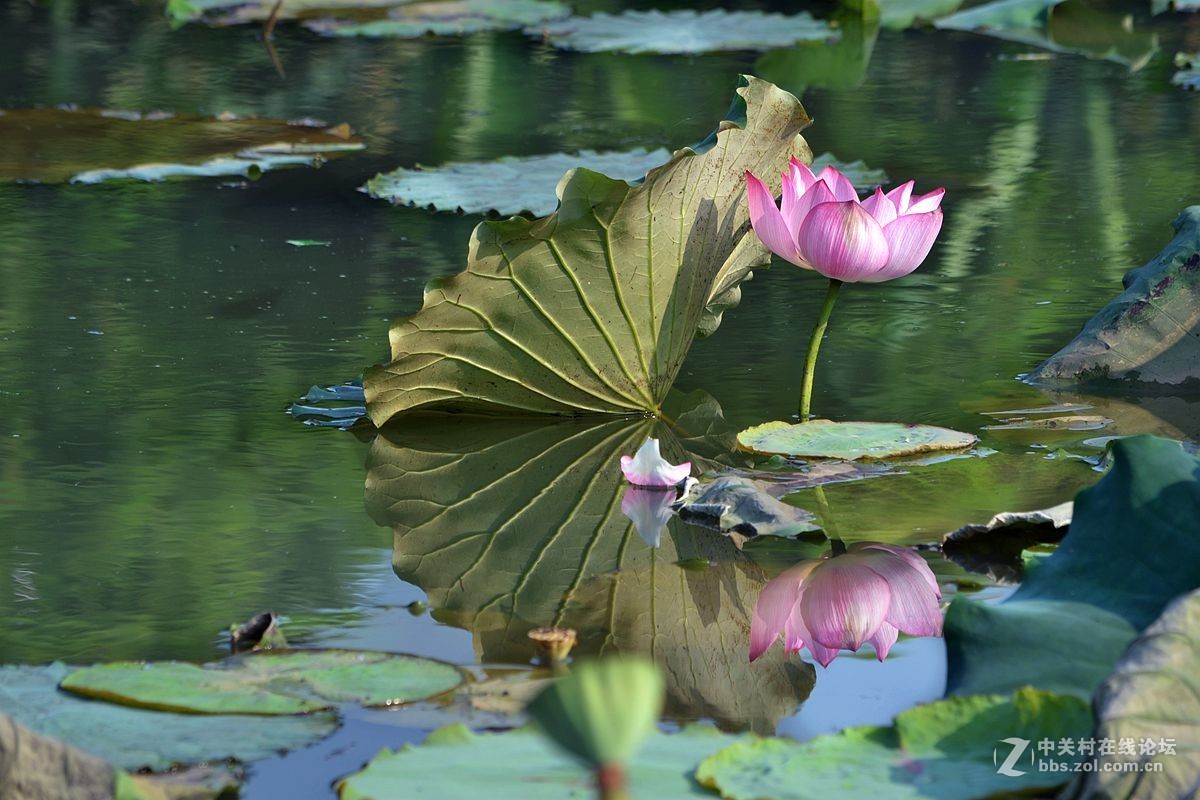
{"x": 276, "y": 682}
{"x": 524, "y": 764}
{"x": 940, "y": 751}
{"x": 1133, "y": 545}
{"x": 593, "y": 309}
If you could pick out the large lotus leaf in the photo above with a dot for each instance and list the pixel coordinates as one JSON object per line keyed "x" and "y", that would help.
{"x": 442, "y": 18}
{"x": 995, "y": 547}
{"x": 899, "y": 14}
{"x": 1150, "y": 334}
{"x": 1133, "y": 545}
{"x": 513, "y": 524}
{"x": 850, "y": 441}
{"x": 824, "y": 65}
{"x": 278, "y": 682}
{"x": 51, "y": 145}
{"x": 1073, "y": 26}
{"x": 683, "y": 31}
{"x": 940, "y": 751}
{"x": 135, "y": 739}
{"x": 593, "y": 308}
{"x": 1152, "y": 696}
{"x": 525, "y": 764}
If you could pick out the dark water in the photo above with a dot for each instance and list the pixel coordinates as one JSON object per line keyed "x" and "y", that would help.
{"x": 152, "y": 489}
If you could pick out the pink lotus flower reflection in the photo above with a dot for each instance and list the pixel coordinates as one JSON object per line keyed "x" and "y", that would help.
{"x": 823, "y": 226}
{"x": 648, "y": 468}
{"x": 871, "y": 593}
{"x": 649, "y": 510}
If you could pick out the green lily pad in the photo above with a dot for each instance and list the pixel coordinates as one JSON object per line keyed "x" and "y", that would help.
{"x": 900, "y": 14}
{"x": 51, "y": 145}
{"x": 1149, "y": 334}
{"x": 523, "y": 763}
{"x": 593, "y": 308}
{"x": 1072, "y": 26}
{"x": 135, "y": 739}
{"x": 1132, "y": 547}
{"x": 1188, "y": 75}
{"x": 234, "y": 12}
{"x": 850, "y": 441}
{"x": 683, "y": 31}
{"x": 940, "y": 751}
{"x": 442, "y": 18}
{"x": 1153, "y": 700}
{"x": 509, "y": 185}
{"x": 277, "y": 682}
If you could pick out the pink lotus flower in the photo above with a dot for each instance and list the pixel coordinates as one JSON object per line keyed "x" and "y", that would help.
{"x": 869, "y": 594}
{"x": 648, "y": 468}
{"x": 823, "y": 226}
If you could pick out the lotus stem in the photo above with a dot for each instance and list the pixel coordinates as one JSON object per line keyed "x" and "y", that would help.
{"x": 814, "y": 347}
{"x": 611, "y": 783}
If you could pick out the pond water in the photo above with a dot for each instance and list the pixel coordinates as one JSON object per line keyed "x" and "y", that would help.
{"x": 153, "y": 490}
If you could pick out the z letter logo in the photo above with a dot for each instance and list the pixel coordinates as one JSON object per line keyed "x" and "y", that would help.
{"x": 1018, "y": 749}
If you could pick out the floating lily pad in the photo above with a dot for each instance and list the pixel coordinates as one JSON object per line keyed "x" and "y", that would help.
{"x": 850, "y": 441}
{"x": 135, "y": 739}
{"x": 50, "y": 145}
{"x": 271, "y": 683}
{"x": 1153, "y": 695}
{"x": 442, "y": 18}
{"x": 1150, "y": 334}
{"x": 234, "y": 12}
{"x": 1132, "y": 547}
{"x": 899, "y": 14}
{"x": 1188, "y": 75}
{"x": 525, "y": 764}
{"x": 940, "y": 751}
{"x": 683, "y": 31}
{"x": 509, "y": 185}
{"x": 740, "y": 505}
{"x": 1072, "y": 26}
{"x": 593, "y": 308}
{"x": 1076, "y": 422}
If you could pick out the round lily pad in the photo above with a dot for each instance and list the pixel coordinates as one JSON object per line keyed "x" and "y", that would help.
{"x": 270, "y": 683}
{"x": 823, "y": 438}
{"x": 683, "y": 31}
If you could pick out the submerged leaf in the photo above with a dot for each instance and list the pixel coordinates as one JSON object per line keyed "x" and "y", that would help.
{"x": 136, "y": 739}
{"x": 50, "y": 145}
{"x": 822, "y": 438}
{"x": 1078, "y": 608}
{"x": 1150, "y": 334}
{"x": 593, "y": 308}
{"x": 1152, "y": 696}
{"x": 942, "y": 751}
{"x": 279, "y": 682}
{"x": 524, "y": 765}
{"x": 683, "y": 31}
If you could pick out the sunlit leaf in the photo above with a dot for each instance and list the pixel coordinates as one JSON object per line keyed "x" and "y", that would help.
{"x": 684, "y": 31}
{"x": 822, "y": 438}
{"x": 940, "y": 751}
{"x": 1152, "y": 696}
{"x": 1150, "y": 334}
{"x": 593, "y": 308}
{"x": 1131, "y": 548}
{"x": 276, "y": 682}
{"x": 524, "y": 765}
{"x": 50, "y": 145}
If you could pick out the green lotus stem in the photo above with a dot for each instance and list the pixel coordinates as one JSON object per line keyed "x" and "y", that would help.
{"x": 814, "y": 346}
{"x": 612, "y": 783}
